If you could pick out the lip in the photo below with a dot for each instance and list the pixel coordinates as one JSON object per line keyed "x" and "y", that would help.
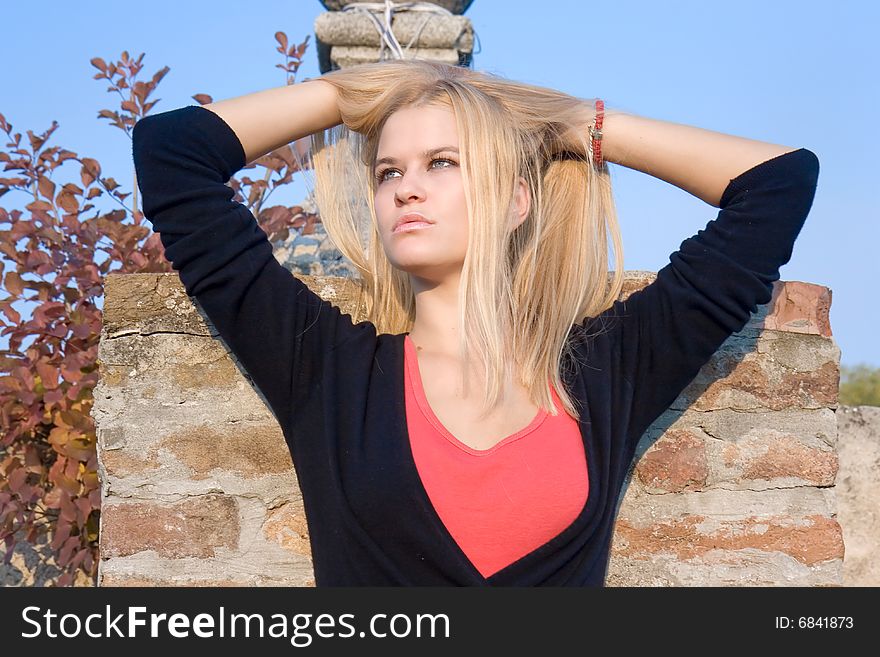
{"x": 414, "y": 218}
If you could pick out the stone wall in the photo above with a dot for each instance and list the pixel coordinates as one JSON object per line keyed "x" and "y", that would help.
{"x": 737, "y": 486}
{"x": 198, "y": 486}
{"x": 858, "y": 486}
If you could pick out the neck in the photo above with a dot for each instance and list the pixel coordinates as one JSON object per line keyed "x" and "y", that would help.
{"x": 435, "y": 328}
{"x": 435, "y": 331}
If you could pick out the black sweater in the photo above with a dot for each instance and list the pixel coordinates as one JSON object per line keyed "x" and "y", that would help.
{"x": 337, "y": 388}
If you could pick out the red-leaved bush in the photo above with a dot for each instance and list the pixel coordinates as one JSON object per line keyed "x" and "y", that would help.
{"x": 51, "y": 233}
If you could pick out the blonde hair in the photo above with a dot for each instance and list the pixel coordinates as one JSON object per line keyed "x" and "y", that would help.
{"x": 521, "y": 290}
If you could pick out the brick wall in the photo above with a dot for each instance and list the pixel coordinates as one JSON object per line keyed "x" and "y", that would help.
{"x": 199, "y": 489}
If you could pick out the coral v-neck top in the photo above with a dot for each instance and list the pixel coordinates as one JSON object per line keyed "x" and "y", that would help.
{"x": 501, "y": 503}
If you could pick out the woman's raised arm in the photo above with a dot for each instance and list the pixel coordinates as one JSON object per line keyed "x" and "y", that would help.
{"x": 701, "y": 162}
{"x": 278, "y": 329}
{"x": 271, "y": 118}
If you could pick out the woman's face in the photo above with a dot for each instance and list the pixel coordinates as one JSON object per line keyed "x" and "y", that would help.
{"x": 418, "y": 171}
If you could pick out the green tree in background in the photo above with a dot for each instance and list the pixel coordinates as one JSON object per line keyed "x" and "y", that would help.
{"x": 860, "y": 386}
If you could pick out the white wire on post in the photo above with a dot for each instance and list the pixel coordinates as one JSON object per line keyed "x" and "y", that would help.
{"x": 387, "y": 9}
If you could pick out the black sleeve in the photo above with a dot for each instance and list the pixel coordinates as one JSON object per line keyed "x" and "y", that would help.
{"x": 663, "y": 334}
{"x": 276, "y": 327}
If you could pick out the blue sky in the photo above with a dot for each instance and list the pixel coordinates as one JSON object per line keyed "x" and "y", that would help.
{"x": 799, "y": 73}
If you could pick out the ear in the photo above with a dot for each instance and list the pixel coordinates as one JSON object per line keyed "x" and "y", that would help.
{"x": 522, "y": 203}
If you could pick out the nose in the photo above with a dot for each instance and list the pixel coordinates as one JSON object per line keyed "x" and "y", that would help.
{"x": 410, "y": 188}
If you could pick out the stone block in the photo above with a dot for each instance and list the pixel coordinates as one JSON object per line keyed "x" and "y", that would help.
{"x": 195, "y": 527}
{"x": 741, "y": 451}
{"x": 779, "y": 537}
{"x": 781, "y": 370}
{"x": 747, "y": 567}
{"x": 123, "y": 580}
{"x": 675, "y": 463}
{"x": 414, "y": 29}
{"x": 287, "y": 526}
{"x": 798, "y": 307}
{"x": 143, "y": 304}
{"x": 345, "y": 56}
{"x": 810, "y": 539}
{"x": 454, "y": 6}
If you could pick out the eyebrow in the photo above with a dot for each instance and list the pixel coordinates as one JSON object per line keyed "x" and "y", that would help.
{"x": 427, "y": 153}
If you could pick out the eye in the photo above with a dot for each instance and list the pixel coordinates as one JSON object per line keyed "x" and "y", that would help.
{"x": 380, "y": 176}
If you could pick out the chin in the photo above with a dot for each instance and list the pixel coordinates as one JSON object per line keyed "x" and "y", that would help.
{"x": 435, "y": 271}
{"x": 410, "y": 259}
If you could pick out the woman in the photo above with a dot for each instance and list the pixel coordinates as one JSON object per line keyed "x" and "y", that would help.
{"x": 477, "y": 428}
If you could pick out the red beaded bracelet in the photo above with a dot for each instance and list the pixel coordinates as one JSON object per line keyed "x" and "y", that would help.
{"x": 596, "y": 133}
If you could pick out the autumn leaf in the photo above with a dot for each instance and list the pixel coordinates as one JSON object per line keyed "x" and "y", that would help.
{"x": 14, "y": 283}
{"x": 90, "y": 171}
{"x": 46, "y": 188}
{"x": 11, "y": 313}
{"x": 68, "y": 202}
{"x": 48, "y": 374}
